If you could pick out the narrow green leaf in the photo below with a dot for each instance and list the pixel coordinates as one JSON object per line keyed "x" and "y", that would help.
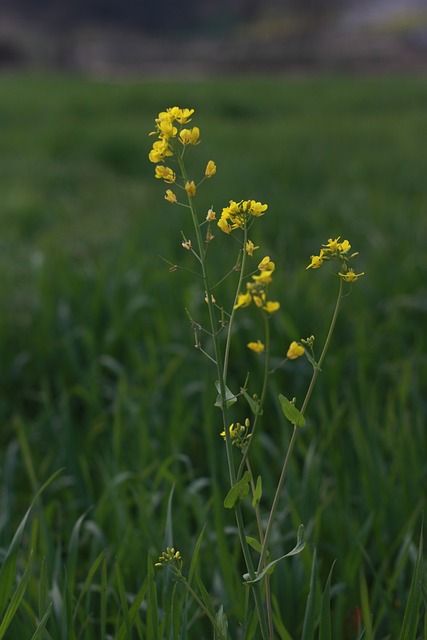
{"x": 193, "y": 564}
{"x": 222, "y": 624}
{"x": 123, "y": 602}
{"x": 254, "y": 543}
{"x": 239, "y": 491}
{"x": 39, "y": 632}
{"x": 258, "y": 493}
{"x": 291, "y": 412}
{"x": 309, "y": 616}
{"x": 205, "y": 597}
{"x": 325, "y": 611}
{"x": 255, "y": 406}
{"x": 103, "y": 596}
{"x": 411, "y": 617}
{"x": 366, "y": 610}
{"x": 278, "y": 622}
{"x": 230, "y": 398}
{"x": 152, "y": 604}
{"x": 8, "y": 569}
{"x": 16, "y": 600}
{"x": 88, "y": 581}
{"x": 272, "y": 565}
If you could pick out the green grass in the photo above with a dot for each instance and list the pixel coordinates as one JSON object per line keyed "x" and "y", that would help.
{"x": 100, "y": 377}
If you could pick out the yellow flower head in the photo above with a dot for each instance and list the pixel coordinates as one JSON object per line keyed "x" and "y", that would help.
{"x": 266, "y": 264}
{"x": 344, "y": 246}
{"x": 211, "y": 215}
{"x": 243, "y": 300}
{"x": 165, "y": 173}
{"x": 250, "y": 248}
{"x": 182, "y": 115}
{"x": 254, "y": 208}
{"x": 257, "y": 346}
{"x": 170, "y": 196}
{"x": 295, "y": 351}
{"x": 166, "y": 129}
{"x": 223, "y": 225}
{"x": 190, "y": 188}
{"x": 271, "y": 307}
{"x": 259, "y": 298}
{"x": 190, "y": 136}
{"x": 159, "y": 151}
{"x": 237, "y": 213}
{"x": 263, "y": 278}
{"x": 210, "y": 169}
{"x": 350, "y": 276}
{"x": 316, "y": 261}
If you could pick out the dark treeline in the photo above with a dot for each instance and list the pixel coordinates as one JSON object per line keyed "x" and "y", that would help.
{"x": 166, "y": 16}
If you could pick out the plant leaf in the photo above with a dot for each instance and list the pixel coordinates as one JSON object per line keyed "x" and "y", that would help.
{"x": 238, "y": 491}
{"x": 272, "y": 565}
{"x": 258, "y": 492}
{"x": 256, "y": 409}
{"x": 230, "y": 398}
{"x": 291, "y": 412}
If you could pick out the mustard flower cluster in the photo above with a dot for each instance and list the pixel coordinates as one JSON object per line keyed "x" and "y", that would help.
{"x": 239, "y": 433}
{"x": 336, "y": 250}
{"x": 256, "y": 291}
{"x": 237, "y": 214}
{"x": 173, "y": 138}
{"x": 170, "y": 557}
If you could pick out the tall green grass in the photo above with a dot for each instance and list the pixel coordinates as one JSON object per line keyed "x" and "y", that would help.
{"x": 100, "y": 378}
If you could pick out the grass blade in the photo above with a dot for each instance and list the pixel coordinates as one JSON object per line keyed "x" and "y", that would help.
{"x": 411, "y": 617}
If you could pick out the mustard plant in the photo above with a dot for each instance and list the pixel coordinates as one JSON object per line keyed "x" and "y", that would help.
{"x": 175, "y": 138}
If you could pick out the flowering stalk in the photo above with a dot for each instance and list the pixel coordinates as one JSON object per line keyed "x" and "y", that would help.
{"x": 239, "y": 217}
{"x": 221, "y": 374}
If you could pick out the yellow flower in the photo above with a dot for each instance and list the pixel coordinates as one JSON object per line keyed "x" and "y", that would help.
{"x": 234, "y": 429}
{"x": 166, "y": 128}
{"x": 190, "y": 136}
{"x": 350, "y": 276}
{"x": 187, "y": 244}
{"x": 211, "y": 215}
{"x": 332, "y": 245}
{"x": 243, "y": 300}
{"x": 266, "y": 264}
{"x": 316, "y": 261}
{"x": 250, "y": 248}
{"x": 344, "y": 246}
{"x": 271, "y": 307}
{"x": 295, "y": 351}
{"x": 190, "y": 188}
{"x": 165, "y": 173}
{"x": 159, "y": 151}
{"x": 223, "y": 225}
{"x": 255, "y": 208}
{"x": 263, "y": 278}
{"x": 210, "y": 169}
{"x": 170, "y": 196}
{"x": 257, "y": 346}
{"x": 259, "y": 299}
{"x": 182, "y": 115}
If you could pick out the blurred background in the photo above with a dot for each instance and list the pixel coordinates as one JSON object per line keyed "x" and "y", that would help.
{"x": 316, "y": 107}
{"x": 226, "y": 36}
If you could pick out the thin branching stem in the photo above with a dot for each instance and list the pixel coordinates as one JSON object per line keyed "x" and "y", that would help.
{"x": 295, "y": 431}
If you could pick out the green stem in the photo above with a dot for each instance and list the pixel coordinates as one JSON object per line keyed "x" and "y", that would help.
{"x": 294, "y": 433}
{"x": 221, "y": 373}
{"x": 263, "y": 393}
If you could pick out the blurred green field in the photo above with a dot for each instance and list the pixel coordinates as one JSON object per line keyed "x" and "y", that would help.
{"x": 100, "y": 377}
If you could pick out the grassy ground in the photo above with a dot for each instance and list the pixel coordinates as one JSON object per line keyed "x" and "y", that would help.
{"x": 100, "y": 377}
